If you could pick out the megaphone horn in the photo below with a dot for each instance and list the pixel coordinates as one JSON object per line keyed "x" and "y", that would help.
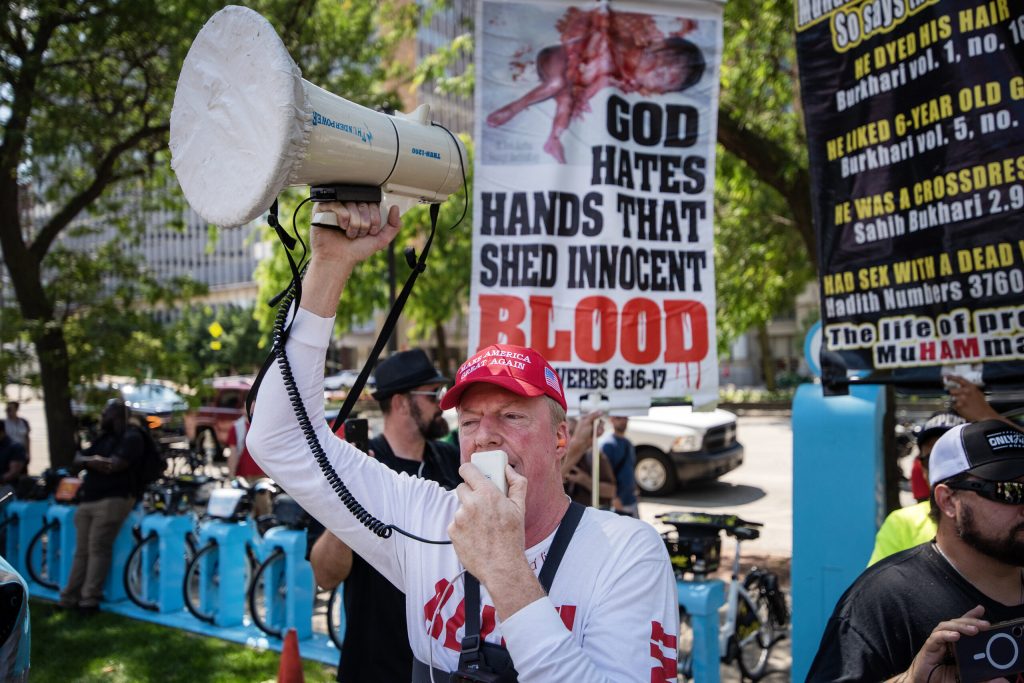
{"x": 245, "y": 125}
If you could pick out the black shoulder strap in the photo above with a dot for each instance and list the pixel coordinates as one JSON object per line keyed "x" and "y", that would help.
{"x": 566, "y": 528}
{"x": 559, "y": 544}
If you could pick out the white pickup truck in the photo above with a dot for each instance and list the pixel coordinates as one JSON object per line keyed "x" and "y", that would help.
{"x": 676, "y": 445}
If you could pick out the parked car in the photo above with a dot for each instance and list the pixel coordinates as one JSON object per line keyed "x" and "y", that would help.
{"x": 676, "y": 446}
{"x": 344, "y": 380}
{"x": 207, "y": 426}
{"x": 160, "y": 406}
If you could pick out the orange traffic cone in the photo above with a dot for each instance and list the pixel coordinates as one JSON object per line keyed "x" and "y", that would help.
{"x": 290, "y": 670}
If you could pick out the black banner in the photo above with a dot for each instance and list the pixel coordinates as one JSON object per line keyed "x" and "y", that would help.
{"x": 915, "y": 126}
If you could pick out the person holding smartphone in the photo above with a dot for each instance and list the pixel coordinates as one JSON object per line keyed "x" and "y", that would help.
{"x": 408, "y": 389}
{"x": 900, "y": 616}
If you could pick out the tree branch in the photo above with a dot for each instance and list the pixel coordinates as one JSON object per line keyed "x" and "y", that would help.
{"x": 769, "y": 162}
{"x": 103, "y": 177}
{"x": 23, "y": 90}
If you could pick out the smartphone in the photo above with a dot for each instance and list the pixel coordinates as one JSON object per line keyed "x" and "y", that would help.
{"x": 995, "y": 653}
{"x": 357, "y": 433}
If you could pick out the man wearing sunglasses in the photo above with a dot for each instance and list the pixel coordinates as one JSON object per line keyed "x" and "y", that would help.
{"x": 901, "y": 614}
{"x": 408, "y": 389}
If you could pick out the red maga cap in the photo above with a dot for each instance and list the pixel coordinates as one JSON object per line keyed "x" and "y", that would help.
{"x": 521, "y": 370}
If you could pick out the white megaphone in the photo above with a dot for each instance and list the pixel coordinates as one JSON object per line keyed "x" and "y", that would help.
{"x": 245, "y": 125}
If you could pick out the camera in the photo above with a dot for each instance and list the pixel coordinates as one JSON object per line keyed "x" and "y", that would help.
{"x": 995, "y": 653}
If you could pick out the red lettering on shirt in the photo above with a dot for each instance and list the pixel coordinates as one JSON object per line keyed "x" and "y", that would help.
{"x": 568, "y": 614}
{"x": 488, "y": 622}
{"x": 665, "y": 669}
{"x": 432, "y": 610}
{"x": 453, "y": 625}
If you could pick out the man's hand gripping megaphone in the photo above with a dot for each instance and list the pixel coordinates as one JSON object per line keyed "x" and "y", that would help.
{"x": 360, "y": 234}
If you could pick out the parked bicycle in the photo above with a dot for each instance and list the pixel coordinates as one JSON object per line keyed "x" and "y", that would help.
{"x": 232, "y": 506}
{"x": 175, "y": 496}
{"x": 755, "y": 613}
{"x": 268, "y": 590}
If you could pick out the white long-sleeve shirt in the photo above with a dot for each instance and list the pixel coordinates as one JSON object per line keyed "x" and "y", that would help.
{"x": 612, "y": 612}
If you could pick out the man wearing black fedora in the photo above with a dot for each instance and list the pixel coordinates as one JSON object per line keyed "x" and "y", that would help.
{"x": 376, "y": 647}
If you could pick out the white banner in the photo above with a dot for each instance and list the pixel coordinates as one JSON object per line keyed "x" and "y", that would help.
{"x": 594, "y": 185}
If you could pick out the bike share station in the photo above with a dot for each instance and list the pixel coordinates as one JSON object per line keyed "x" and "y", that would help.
{"x": 40, "y": 544}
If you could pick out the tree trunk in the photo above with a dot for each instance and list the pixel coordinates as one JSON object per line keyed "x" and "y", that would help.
{"x": 442, "y": 361}
{"x": 767, "y": 357}
{"x": 52, "y": 350}
{"x": 47, "y": 335}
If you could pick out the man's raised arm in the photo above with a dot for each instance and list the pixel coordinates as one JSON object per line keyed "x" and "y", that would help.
{"x": 275, "y": 439}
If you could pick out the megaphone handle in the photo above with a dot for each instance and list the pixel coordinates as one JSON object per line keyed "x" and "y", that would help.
{"x": 403, "y": 202}
{"x": 327, "y": 219}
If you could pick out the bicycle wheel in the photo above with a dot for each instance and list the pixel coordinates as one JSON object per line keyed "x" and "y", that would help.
{"x": 135, "y": 574}
{"x": 202, "y": 571}
{"x": 267, "y": 593}
{"x": 191, "y": 545}
{"x": 684, "y": 654}
{"x": 41, "y": 559}
{"x": 754, "y": 635}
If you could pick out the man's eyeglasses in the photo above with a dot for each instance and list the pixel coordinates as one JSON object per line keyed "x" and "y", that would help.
{"x": 1006, "y": 492}
{"x": 436, "y": 395}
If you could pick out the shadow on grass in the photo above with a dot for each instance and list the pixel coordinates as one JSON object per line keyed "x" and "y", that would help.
{"x": 114, "y": 649}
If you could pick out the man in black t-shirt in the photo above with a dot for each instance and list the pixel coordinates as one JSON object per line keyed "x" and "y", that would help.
{"x": 107, "y": 496}
{"x": 901, "y": 615}
{"x": 376, "y": 646}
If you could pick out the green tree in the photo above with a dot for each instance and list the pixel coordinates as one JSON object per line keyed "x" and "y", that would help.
{"x": 195, "y": 354}
{"x": 85, "y": 99}
{"x": 764, "y": 237}
{"x": 111, "y": 328}
{"x": 760, "y": 120}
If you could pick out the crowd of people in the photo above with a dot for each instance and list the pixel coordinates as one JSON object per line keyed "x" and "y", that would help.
{"x": 535, "y": 585}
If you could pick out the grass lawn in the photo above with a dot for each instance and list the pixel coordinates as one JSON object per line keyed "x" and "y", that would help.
{"x": 114, "y": 649}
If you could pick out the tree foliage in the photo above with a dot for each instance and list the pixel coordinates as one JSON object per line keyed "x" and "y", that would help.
{"x": 85, "y": 98}
{"x": 764, "y": 242}
{"x": 195, "y": 353}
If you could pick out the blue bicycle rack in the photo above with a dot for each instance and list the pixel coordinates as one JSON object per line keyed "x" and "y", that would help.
{"x": 226, "y": 566}
{"x": 27, "y": 521}
{"x": 60, "y": 546}
{"x": 161, "y": 580}
{"x": 702, "y": 599}
{"x": 113, "y": 586}
{"x": 291, "y": 608}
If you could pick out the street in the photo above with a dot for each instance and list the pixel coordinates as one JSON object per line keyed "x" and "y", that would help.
{"x": 760, "y": 490}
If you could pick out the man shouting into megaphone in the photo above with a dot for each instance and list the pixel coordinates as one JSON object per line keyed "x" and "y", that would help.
{"x": 532, "y": 588}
